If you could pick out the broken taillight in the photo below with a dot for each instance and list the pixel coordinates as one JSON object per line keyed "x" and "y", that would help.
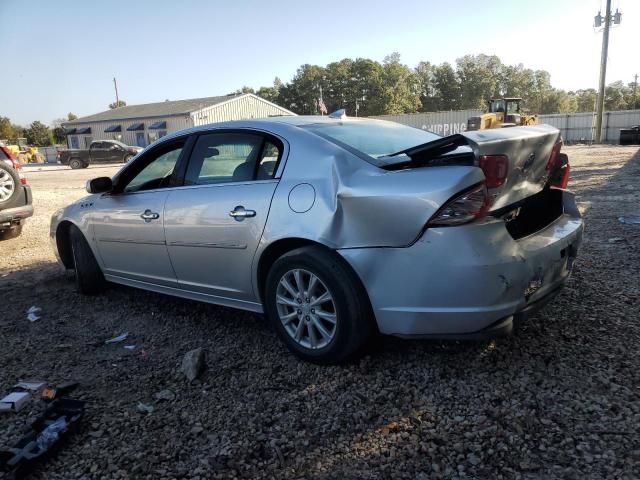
{"x": 558, "y": 167}
{"x": 559, "y": 177}
{"x": 555, "y": 151}
{"x": 18, "y": 167}
{"x": 463, "y": 208}
{"x": 495, "y": 168}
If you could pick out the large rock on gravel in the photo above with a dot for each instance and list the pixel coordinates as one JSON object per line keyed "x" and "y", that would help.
{"x": 193, "y": 363}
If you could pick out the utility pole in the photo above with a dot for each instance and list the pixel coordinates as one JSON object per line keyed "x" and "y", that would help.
{"x": 115, "y": 85}
{"x": 608, "y": 18}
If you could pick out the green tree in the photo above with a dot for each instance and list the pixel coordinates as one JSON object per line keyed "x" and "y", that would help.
{"x": 71, "y": 116}
{"x": 114, "y": 105}
{"x": 585, "y": 99}
{"x": 271, "y": 94}
{"x": 478, "y": 77}
{"x": 366, "y": 87}
{"x": 6, "y": 129}
{"x": 57, "y": 131}
{"x": 447, "y": 87}
{"x": 426, "y": 75}
{"x": 400, "y": 87}
{"x": 617, "y": 96}
{"x": 302, "y": 93}
{"x": 58, "y": 135}
{"x": 245, "y": 89}
{"x": 38, "y": 134}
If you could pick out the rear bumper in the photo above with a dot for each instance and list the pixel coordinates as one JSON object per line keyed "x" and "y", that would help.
{"x": 20, "y": 209}
{"x": 468, "y": 281}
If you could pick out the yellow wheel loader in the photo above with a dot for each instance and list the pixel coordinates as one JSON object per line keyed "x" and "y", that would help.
{"x": 24, "y": 153}
{"x": 503, "y": 112}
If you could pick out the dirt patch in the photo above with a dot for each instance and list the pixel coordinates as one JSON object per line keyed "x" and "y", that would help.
{"x": 559, "y": 400}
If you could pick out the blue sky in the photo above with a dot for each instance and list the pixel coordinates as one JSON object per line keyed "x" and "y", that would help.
{"x": 61, "y": 56}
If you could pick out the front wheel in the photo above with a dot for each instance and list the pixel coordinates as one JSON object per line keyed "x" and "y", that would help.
{"x": 318, "y": 306}
{"x": 89, "y": 277}
{"x": 127, "y": 158}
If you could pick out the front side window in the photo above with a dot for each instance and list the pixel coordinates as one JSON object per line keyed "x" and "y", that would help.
{"x": 231, "y": 157}
{"x": 158, "y": 172}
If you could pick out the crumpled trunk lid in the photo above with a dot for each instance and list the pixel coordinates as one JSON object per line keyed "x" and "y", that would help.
{"x": 528, "y": 150}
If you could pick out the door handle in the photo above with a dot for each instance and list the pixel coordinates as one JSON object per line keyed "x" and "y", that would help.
{"x": 148, "y": 215}
{"x": 240, "y": 213}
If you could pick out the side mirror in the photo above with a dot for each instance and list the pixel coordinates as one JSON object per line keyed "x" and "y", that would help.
{"x": 99, "y": 185}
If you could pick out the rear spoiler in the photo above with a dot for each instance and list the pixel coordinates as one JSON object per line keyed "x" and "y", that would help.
{"x": 424, "y": 153}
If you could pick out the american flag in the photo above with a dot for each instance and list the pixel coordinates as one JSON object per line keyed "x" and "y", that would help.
{"x": 322, "y": 107}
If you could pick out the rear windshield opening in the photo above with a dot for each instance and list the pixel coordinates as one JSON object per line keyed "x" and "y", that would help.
{"x": 372, "y": 140}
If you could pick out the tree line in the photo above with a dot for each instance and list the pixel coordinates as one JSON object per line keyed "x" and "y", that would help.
{"x": 391, "y": 87}
{"x": 37, "y": 133}
{"x": 366, "y": 87}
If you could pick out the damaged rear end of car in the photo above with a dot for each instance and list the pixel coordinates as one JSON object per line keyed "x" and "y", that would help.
{"x": 493, "y": 252}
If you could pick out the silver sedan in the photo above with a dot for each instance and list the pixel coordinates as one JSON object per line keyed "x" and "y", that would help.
{"x": 336, "y": 228}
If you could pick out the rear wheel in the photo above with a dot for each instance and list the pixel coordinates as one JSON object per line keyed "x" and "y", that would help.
{"x": 75, "y": 163}
{"x": 9, "y": 182}
{"x": 89, "y": 277}
{"x": 318, "y": 306}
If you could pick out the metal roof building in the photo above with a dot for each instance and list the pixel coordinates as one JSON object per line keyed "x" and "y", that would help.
{"x": 142, "y": 124}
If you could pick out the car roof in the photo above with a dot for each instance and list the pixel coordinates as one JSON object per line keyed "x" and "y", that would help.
{"x": 265, "y": 123}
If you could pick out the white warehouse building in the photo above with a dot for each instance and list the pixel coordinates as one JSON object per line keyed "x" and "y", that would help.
{"x": 143, "y": 124}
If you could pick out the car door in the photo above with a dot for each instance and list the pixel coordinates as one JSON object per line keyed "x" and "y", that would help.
{"x": 98, "y": 152}
{"x": 128, "y": 224}
{"x": 114, "y": 152}
{"x": 214, "y": 223}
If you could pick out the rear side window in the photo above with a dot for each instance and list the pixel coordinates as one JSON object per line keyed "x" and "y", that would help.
{"x": 232, "y": 157}
{"x": 372, "y": 139}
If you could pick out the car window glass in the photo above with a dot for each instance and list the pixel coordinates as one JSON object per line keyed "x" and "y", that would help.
{"x": 268, "y": 160}
{"x": 223, "y": 158}
{"x": 96, "y": 145}
{"x": 156, "y": 174}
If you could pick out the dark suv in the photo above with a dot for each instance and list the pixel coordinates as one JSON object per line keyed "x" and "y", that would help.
{"x": 15, "y": 196}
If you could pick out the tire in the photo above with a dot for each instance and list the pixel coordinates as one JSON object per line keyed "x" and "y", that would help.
{"x": 75, "y": 163}
{"x": 89, "y": 277}
{"x": 127, "y": 158}
{"x": 9, "y": 184}
{"x": 10, "y": 233}
{"x": 345, "y": 337}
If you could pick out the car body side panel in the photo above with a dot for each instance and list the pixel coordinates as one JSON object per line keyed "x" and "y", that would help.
{"x": 356, "y": 204}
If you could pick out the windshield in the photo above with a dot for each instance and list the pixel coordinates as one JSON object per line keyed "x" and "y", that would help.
{"x": 372, "y": 140}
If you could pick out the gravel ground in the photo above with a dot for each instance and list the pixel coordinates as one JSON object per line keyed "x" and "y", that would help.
{"x": 561, "y": 399}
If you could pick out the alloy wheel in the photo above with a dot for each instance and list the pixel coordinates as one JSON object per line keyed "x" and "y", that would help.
{"x": 7, "y": 185}
{"x": 306, "y": 309}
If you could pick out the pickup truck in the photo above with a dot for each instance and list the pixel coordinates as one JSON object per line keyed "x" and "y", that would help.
{"x": 100, "y": 151}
